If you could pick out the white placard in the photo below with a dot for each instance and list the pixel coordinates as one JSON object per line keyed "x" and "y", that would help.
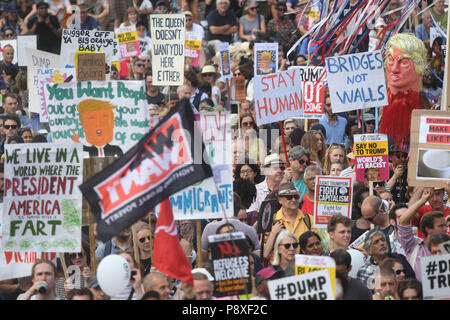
{"x": 435, "y": 276}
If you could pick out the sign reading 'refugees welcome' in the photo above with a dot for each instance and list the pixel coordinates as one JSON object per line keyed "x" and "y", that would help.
{"x": 168, "y": 41}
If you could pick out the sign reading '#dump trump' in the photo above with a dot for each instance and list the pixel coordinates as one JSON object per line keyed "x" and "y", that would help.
{"x": 278, "y": 96}
{"x": 356, "y": 81}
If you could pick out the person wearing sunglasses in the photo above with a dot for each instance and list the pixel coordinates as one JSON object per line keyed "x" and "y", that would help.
{"x": 284, "y": 251}
{"x": 290, "y": 215}
{"x": 143, "y": 243}
{"x": 11, "y": 127}
{"x": 281, "y": 29}
{"x": 251, "y": 24}
{"x": 307, "y": 202}
{"x": 398, "y": 173}
{"x": 299, "y": 160}
{"x": 194, "y": 31}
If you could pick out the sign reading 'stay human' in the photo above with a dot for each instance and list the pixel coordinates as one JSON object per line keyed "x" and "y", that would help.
{"x": 356, "y": 81}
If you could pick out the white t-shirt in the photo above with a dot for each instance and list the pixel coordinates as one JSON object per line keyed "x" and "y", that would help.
{"x": 197, "y": 32}
{"x": 145, "y": 44}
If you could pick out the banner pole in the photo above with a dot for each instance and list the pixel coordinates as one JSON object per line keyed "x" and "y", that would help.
{"x": 63, "y": 264}
{"x": 199, "y": 244}
{"x": 284, "y": 143}
{"x": 135, "y": 246}
{"x": 92, "y": 244}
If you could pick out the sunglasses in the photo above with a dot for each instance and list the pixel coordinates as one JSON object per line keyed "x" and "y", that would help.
{"x": 247, "y": 124}
{"x": 288, "y": 245}
{"x": 209, "y": 74}
{"x": 252, "y": 8}
{"x": 188, "y": 19}
{"x": 9, "y": 34}
{"x": 142, "y": 240}
{"x": 10, "y": 126}
{"x": 74, "y": 255}
{"x": 301, "y": 161}
{"x": 295, "y": 196}
{"x": 372, "y": 122}
{"x": 147, "y": 60}
{"x": 140, "y": 65}
{"x": 397, "y": 272}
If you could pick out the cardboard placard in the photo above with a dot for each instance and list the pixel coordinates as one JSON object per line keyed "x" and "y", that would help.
{"x": 313, "y": 92}
{"x": 356, "y": 81}
{"x": 24, "y": 43}
{"x": 309, "y": 286}
{"x": 128, "y": 42}
{"x": 371, "y": 157}
{"x": 237, "y": 86}
{"x": 306, "y": 263}
{"x": 429, "y": 156}
{"x": 168, "y": 41}
{"x": 333, "y": 195}
{"x": 192, "y": 49}
{"x": 91, "y": 66}
{"x": 278, "y": 96}
{"x": 445, "y": 247}
{"x": 231, "y": 265}
{"x": 42, "y": 203}
{"x": 435, "y": 276}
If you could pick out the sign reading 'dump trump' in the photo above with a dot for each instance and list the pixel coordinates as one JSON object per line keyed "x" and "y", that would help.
{"x": 161, "y": 164}
{"x": 356, "y": 81}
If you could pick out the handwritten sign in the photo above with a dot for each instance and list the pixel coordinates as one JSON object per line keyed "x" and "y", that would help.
{"x": 91, "y": 66}
{"x": 308, "y": 286}
{"x": 37, "y": 60}
{"x": 168, "y": 41}
{"x": 278, "y": 96}
{"x": 85, "y": 41}
{"x": 371, "y": 157}
{"x": 266, "y": 58}
{"x": 128, "y": 42}
{"x": 356, "y": 81}
{"x": 42, "y": 202}
{"x": 313, "y": 92}
{"x": 23, "y": 44}
{"x": 333, "y": 195}
{"x": 58, "y": 75}
{"x": 230, "y": 262}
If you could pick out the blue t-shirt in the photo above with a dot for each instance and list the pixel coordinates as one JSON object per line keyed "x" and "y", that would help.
{"x": 89, "y": 24}
{"x": 335, "y": 132}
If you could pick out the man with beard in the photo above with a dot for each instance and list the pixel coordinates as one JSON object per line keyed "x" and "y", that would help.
{"x": 405, "y": 63}
{"x": 377, "y": 248}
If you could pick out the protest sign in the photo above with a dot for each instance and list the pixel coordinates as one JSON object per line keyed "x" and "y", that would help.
{"x": 192, "y": 49}
{"x": 265, "y": 217}
{"x": 74, "y": 42}
{"x": 51, "y": 76}
{"x": 305, "y": 264}
{"x": 225, "y": 64}
{"x": 118, "y": 120}
{"x": 445, "y": 247}
{"x": 212, "y": 197}
{"x": 12, "y": 43}
{"x": 23, "y": 44}
{"x": 230, "y": 263}
{"x": 435, "y": 276}
{"x": 371, "y": 157}
{"x": 309, "y": 286}
{"x": 168, "y": 41}
{"x": 429, "y": 156}
{"x": 278, "y": 96}
{"x": 333, "y": 195}
{"x": 42, "y": 203}
{"x": 237, "y": 88}
{"x": 128, "y": 42}
{"x": 356, "y": 81}
{"x": 91, "y": 66}
{"x": 159, "y": 165}
{"x": 37, "y": 60}
{"x": 266, "y": 58}
{"x": 313, "y": 92}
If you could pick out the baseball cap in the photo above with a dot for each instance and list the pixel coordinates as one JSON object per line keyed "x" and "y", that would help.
{"x": 203, "y": 271}
{"x": 272, "y": 158}
{"x": 267, "y": 274}
{"x": 367, "y": 116}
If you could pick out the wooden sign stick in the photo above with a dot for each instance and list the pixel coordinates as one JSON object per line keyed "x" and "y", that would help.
{"x": 64, "y": 266}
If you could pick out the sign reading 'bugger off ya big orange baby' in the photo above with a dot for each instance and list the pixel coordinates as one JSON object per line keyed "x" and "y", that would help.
{"x": 278, "y": 96}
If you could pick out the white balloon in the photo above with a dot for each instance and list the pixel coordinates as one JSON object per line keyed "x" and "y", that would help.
{"x": 113, "y": 274}
{"x": 357, "y": 262}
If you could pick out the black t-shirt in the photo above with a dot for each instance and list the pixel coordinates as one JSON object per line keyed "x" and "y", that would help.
{"x": 400, "y": 190}
{"x": 156, "y": 100}
{"x": 356, "y": 290}
{"x": 47, "y": 41}
{"x": 217, "y": 20}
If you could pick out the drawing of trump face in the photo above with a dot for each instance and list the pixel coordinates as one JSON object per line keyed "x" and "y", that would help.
{"x": 97, "y": 120}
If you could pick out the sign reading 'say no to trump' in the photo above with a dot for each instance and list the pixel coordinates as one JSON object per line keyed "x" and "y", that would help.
{"x": 356, "y": 81}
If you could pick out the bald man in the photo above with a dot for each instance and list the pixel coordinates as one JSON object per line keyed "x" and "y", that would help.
{"x": 373, "y": 212}
{"x": 158, "y": 282}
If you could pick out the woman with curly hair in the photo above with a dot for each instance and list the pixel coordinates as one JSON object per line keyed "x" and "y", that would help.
{"x": 335, "y": 153}
{"x": 315, "y": 143}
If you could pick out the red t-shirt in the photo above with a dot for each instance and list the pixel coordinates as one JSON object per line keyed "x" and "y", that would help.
{"x": 421, "y": 212}
{"x": 307, "y": 206}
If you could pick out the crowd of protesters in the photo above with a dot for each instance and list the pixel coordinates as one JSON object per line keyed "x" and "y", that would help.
{"x": 264, "y": 165}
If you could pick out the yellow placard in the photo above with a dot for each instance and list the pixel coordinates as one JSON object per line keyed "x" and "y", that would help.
{"x": 375, "y": 148}
{"x": 193, "y": 44}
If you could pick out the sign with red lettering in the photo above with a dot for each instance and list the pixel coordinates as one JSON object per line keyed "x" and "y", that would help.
{"x": 231, "y": 266}
{"x": 429, "y": 162}
{"x": 237, "y": 88}
{"x": 42, "y": 202}
{"x": 278, "y": 96}
{"x": 313, "y": 92}
{"x": 161, "y": 164}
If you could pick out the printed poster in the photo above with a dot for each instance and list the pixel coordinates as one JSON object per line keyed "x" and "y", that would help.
{"x": 371, "y": 157}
